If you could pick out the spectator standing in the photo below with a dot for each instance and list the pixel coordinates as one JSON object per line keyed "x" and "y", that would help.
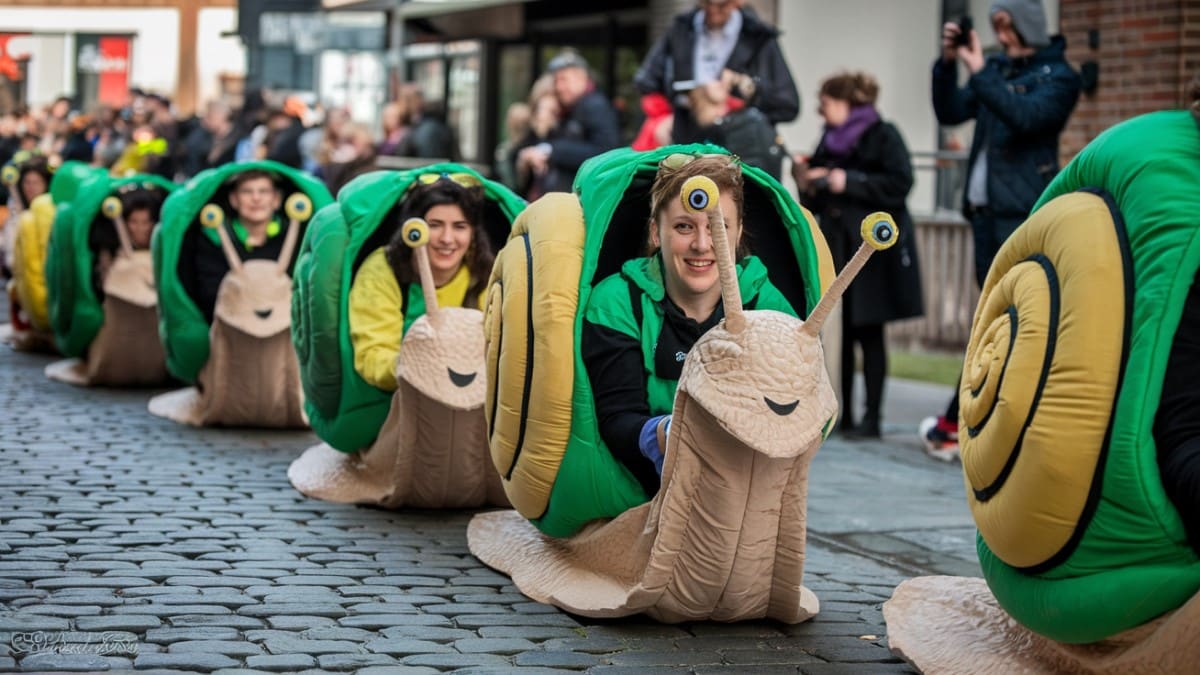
{"x": 516, "y": 127}
{"x": 354, "y": 156}
{"x": 533, "y": 177}
{"x": 722, "y": 41}
{"x": 429, "y": 136}
{"x": 860, "y": 166}
{"x": 395, "y": 128}
{"x": 587, "y": 128}
{"x": 1020, "y": 101}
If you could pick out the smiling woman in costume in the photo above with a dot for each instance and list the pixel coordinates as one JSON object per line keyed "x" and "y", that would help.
{"x": 385, "y": 298}
{"x": 642, "y": 321}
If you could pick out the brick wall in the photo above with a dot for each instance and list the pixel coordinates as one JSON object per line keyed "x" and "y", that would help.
{"x": 1148, "y": 53}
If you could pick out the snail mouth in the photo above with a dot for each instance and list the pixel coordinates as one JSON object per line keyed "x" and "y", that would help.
{"x": 460, "y": 379}
{"x": 781, "y": 409}
{"x": 263, "y": 313}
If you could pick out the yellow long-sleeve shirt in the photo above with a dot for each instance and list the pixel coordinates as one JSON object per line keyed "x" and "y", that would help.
{"x": 376, "y": 322}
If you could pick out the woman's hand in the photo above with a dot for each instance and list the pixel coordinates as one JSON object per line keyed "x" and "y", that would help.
{"x": 799, "y": 169}
{"x": 837, "y": 181}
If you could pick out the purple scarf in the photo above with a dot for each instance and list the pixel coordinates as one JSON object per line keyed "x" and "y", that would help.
{"x": 840, "y": 141}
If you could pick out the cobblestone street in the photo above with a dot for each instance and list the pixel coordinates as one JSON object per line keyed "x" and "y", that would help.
{"x": 129, "y": 542}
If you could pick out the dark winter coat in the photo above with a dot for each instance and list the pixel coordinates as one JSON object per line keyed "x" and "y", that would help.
{"x": 756, "y": 53}
{"x": 1020, "y": 107}
{"x": 878, "y": 178}
{"x": 589, "y": 128}
{"x": 431, "y": 138}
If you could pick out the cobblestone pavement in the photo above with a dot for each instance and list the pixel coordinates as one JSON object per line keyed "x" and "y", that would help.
{"x": 129, "y": 542}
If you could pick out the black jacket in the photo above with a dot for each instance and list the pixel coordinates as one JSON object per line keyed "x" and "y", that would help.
{"x": 878, "y": 178}
{"x": 1020, "y": 107}
{"x": 202, "y": 264}
{"x": 756, "y": 53}
{"x": 431, "y": 138}
{"x": 589, "y": 128}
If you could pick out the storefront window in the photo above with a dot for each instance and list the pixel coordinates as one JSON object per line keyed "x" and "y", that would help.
{"x": 451, "y": 74}
{"x": 516, "y": 72}
{"x": 463, "y": 105}
{"x": 354, "y": 80}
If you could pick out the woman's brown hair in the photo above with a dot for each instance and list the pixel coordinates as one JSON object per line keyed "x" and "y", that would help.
{"x": 416, "y": 204}
{"x": 857, "y": 88}
{"x": 724, "y": 170}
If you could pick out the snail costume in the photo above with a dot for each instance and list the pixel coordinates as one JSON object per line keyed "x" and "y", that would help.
{"x": 103, "y": 301}
{"x": 1067, "y": 455}
{"x": 27, "y": 235}
{"x": 423, "y": 443}
{"x": 724, "y": 536}
{"x": 224, "y": 302}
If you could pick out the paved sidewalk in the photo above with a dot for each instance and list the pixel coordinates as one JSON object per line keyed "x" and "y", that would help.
{"x": 129, "y": 542}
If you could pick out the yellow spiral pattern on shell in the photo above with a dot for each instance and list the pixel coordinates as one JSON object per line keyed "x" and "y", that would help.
{"x": 298, "y": 206}
{"x": 415, "y": 232}
{"x": 529, "y": 323}
{"x": 1041, "y": 377}
{"x": 111, "y": 207}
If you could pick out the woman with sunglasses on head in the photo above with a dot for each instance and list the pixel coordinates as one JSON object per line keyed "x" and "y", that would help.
{"x": 641, "y": 322}
{"x": 385, "y": 297}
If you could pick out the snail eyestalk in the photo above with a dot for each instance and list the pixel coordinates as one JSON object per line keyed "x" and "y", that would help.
{"x": 878, "y": 232}
{"x": 298, "y": 207}
{"x": 212, "y": 216}
{"x": 416, "y": 234}
{"x": 699, "y": 194}
{"x": 112, "y": 208}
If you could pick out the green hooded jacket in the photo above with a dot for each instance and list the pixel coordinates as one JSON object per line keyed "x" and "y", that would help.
{"x": 610, "y": 307}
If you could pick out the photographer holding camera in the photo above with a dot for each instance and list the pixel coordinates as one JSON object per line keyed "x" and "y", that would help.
{"x": 1020, "y": 101}
{"x": 862, "y": 165}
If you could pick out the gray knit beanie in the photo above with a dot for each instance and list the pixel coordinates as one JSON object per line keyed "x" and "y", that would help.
{"x": 1028, "y": 18}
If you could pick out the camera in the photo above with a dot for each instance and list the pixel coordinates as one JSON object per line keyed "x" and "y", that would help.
{"x": 965, "y": 26}
{"x": 821, "y": 183}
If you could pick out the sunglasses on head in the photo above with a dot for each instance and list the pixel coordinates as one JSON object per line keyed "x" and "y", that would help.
{"x": 678, "y": 160}
{"x": 464, "y": 179}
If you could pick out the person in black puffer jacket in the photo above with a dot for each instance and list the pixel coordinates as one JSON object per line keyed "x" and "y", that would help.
{"x": 1020, "y": 101}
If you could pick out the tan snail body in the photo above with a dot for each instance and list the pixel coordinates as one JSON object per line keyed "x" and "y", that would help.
{"x": 432, "y": 449}
{"x": 724, "y": 538}
{"x": 251, "y": 377}
{"x": 126, "y": 351}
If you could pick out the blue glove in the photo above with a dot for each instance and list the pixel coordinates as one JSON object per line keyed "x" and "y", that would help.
{"x": 648, "y": 441}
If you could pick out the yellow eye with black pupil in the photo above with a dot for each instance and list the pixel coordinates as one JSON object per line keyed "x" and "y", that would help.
{"x": 111, "y": 207}
{"x": 212, "y": 216}
{"x": 415, "y": 232}
{"x": 878, "y": 231}
{"x": 298, "y": 206}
